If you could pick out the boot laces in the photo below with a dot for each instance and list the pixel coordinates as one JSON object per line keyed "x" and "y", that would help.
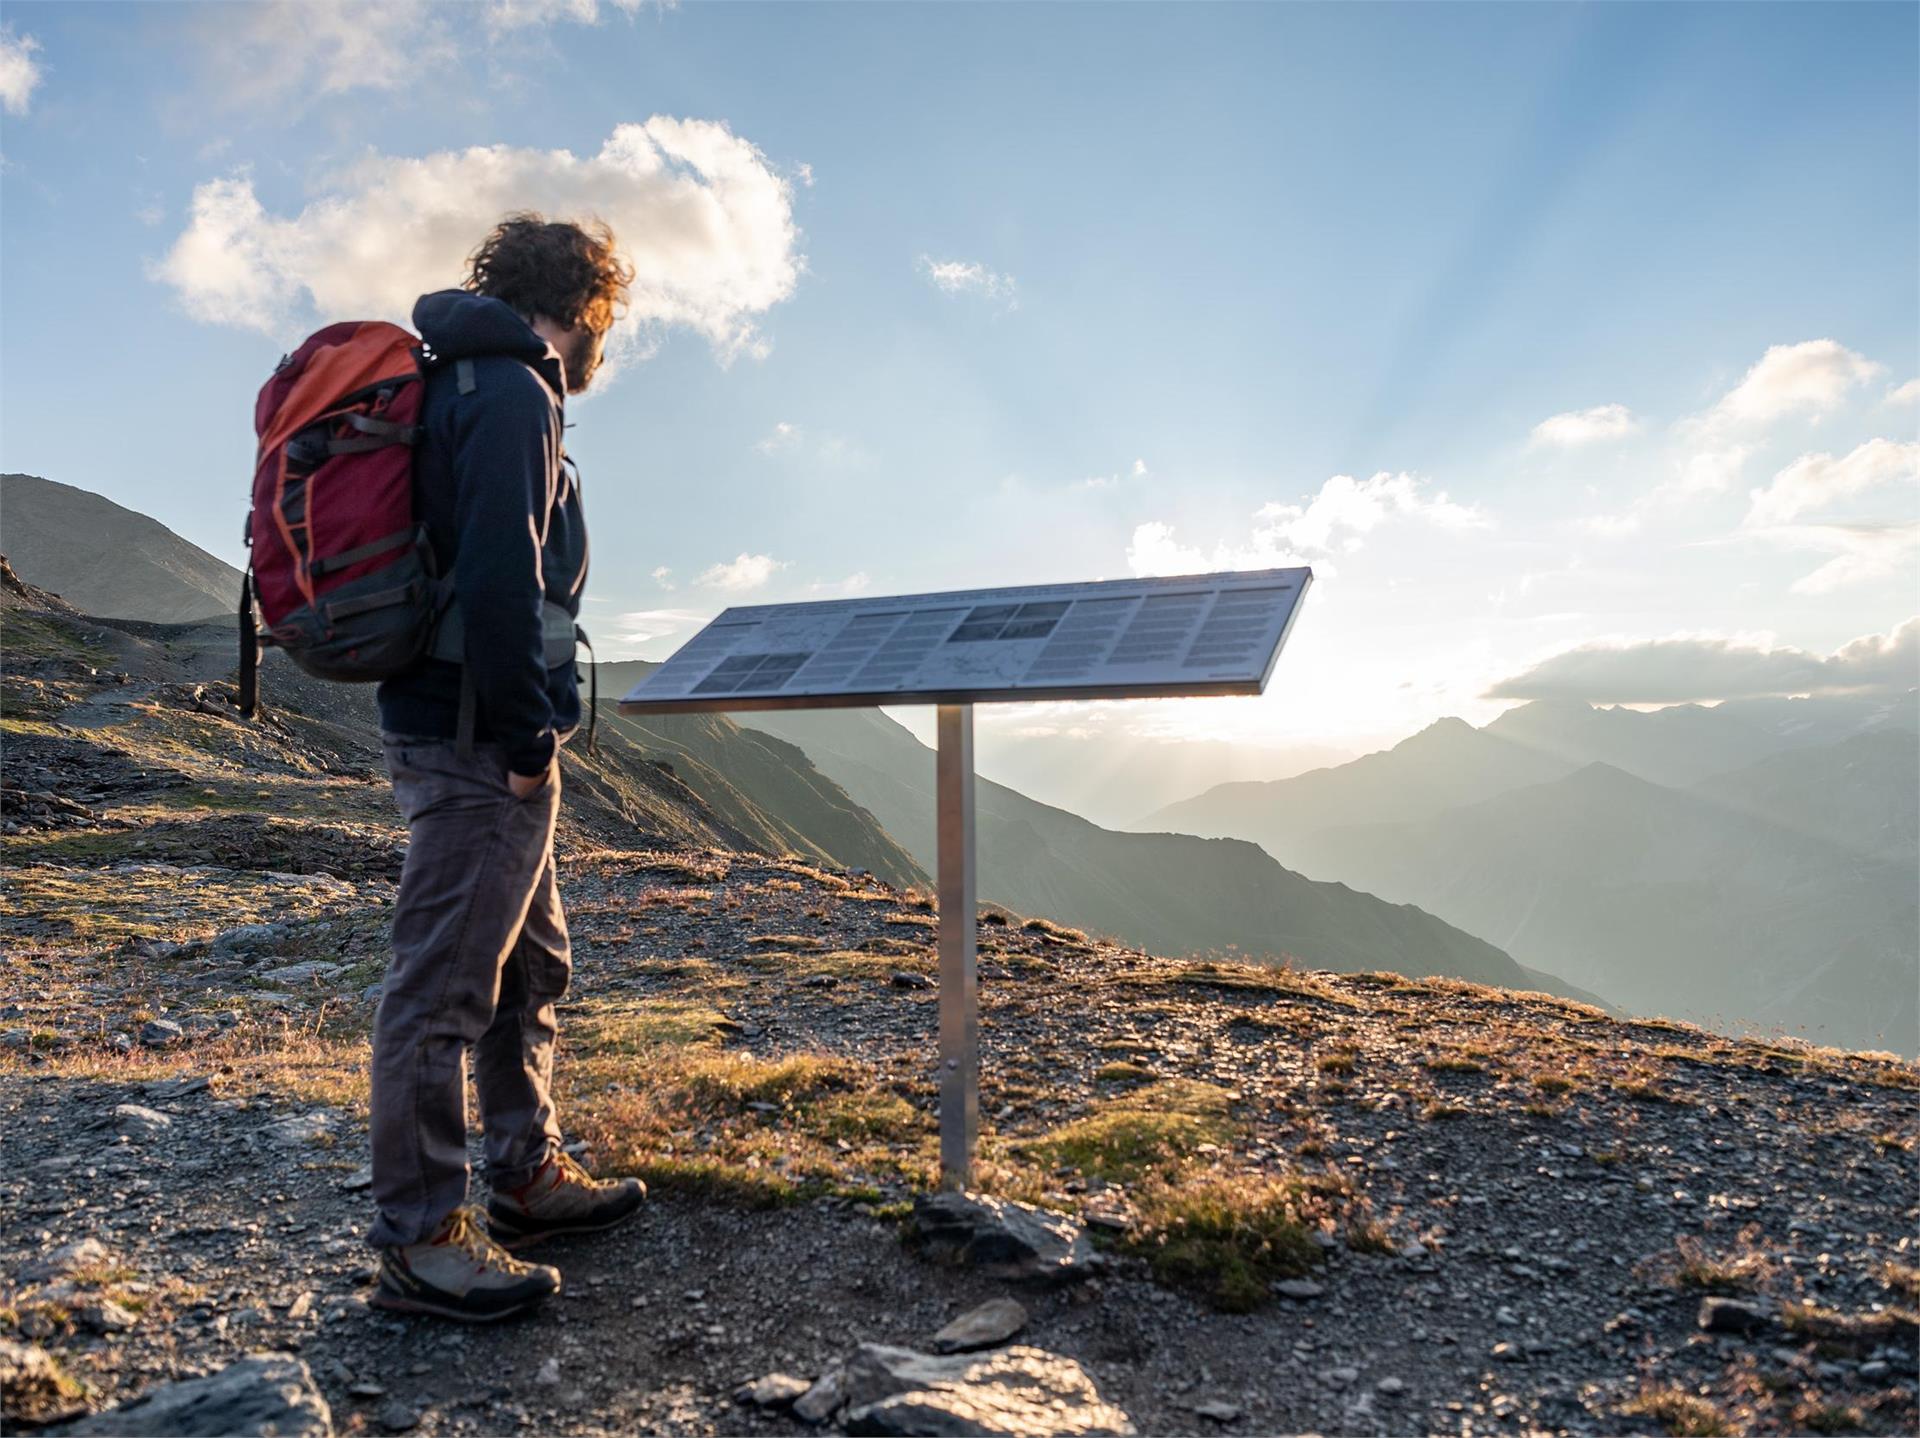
{"x": 466, "y": 1232}
{"x": 572, "y": 1172}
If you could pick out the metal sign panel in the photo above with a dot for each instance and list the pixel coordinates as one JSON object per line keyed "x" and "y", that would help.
{"x": 1199, "y": 634}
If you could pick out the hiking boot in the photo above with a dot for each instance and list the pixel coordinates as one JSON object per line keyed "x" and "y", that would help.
{"x": 461, "y": 1273}
{"x": 561, "y": 1197}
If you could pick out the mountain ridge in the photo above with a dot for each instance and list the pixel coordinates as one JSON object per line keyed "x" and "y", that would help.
{"x": 56, "y": 535}
{"x": 1165, "y": 892}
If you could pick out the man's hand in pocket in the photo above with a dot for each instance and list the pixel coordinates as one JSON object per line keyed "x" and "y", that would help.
{"x": 525, "y": 786}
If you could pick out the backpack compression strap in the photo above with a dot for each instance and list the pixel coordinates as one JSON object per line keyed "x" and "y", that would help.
{"x": 249, "y": 650}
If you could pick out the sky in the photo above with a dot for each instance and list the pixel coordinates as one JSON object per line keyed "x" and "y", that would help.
{"x": 1577, "y": 348}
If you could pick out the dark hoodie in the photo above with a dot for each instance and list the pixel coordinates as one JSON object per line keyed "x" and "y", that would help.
{"x": 503, "y": 514}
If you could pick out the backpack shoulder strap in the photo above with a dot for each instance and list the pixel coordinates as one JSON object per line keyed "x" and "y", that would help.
{"x": 463, "y": 375}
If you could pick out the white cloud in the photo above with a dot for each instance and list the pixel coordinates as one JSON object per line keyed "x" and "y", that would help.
{"x": 285, "y": 53}
{"x": 1905, "y": 394}
{"x": 857, "y": 583}
{"x": 505, "y": 16}
{"x": 1616, "y": 526}
{"x": 1861, "y": 552}
{"x": 746, "y": 571}
{"x": 961, "y": 277}
{"x": 1154, "y": 550}
{"x": 1692, "y": 668}
{"x": 282, "y": 51}
{"x": 1598, "y": 425}
{"x": 1815, "y": 480}
{"x": 639, "y": 626}
{"x": 782, "y": 438}
{"x": 20, "y": 73}
{"x": 1112, "y": 481}
{"x": 663, "y": 577}
{"x": 1335, "y": 521}
{"x": 825, "y": 449}
{"x": 1709, "y": 471}
{"x": 706, "y": 221}
{"x": 1811, "y": 378}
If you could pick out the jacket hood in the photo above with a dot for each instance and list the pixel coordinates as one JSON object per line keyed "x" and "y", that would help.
{"x": 457, "y": 324}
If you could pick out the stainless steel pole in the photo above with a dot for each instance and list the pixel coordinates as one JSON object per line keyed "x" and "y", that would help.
{"x": 959, "y": 984}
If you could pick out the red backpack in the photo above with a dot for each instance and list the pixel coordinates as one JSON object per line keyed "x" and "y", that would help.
{"x": 340, "y": 568}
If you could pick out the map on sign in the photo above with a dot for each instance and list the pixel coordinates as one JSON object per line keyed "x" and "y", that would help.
{"x": 1110, "y": 639}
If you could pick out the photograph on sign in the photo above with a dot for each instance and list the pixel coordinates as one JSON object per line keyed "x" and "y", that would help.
{"x": 1205, "y": 634}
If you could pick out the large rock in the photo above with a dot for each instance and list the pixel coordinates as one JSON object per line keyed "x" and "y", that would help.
{"x": 67, "y": 1259}
{"x": 1733, "y": 1315}
{"x": 1001, "y": 1238}
{"x": 987, "y": 1326}
{"x": 33, "y": 1389}
{"x": 138, "y": 1121}
{"x": 265, "y": 1394}
{"x": 1019, "y": 1392}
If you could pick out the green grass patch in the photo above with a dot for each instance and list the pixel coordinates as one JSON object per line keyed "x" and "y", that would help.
{"x": 650, "y": 1024}
{"x": 1227, "y": 1238}
{"x": 732, "y": 1184}
{"x": 1059, "y": 933}
{"x": 1154, "y": 1128}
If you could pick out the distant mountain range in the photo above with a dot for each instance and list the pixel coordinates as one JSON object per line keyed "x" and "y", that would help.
{"x": 1750, "y": 864}
{"x": 1169, "y": 893}
{"x": 853, "y": 788}
{"x": 108, "y": 560}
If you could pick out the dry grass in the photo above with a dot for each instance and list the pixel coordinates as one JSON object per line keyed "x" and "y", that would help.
{"x": 1678, "y": 1411}
{"x": 1851, "y": 1334}
{"x": 1246, "y": 978}
{"x": 1902, "y": 1278}
{"x": 308, "y": 1063}
{"x": 1693, "y": 1267}
{"x": 698, "y": 868}
{"x": 1817, "y": 1416}
{"x": 840, "y": 963}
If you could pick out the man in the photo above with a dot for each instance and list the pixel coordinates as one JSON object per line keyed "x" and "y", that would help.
{"x": 479, "y": 940}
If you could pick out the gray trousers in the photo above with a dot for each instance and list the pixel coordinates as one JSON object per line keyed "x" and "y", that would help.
{"x": 479, "y": 958}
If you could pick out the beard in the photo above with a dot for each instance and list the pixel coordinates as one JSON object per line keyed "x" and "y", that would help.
{"x": 581, "y": 358}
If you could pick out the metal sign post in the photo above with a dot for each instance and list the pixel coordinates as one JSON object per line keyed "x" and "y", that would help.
{"x": 959, "y": 946}
{"x": 1177, "y": 636}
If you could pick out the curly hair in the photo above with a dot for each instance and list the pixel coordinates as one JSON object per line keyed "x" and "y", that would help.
{"x": 565, "y": 271}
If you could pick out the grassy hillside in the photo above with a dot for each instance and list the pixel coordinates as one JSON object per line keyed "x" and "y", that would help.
{"x": 108, "y": 560}
{"x": 1303, "y": 1186}
{"x": 169, "y": 690}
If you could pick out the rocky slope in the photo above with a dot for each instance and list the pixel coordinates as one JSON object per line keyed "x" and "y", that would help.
{"x": 1332, "y": 1203}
